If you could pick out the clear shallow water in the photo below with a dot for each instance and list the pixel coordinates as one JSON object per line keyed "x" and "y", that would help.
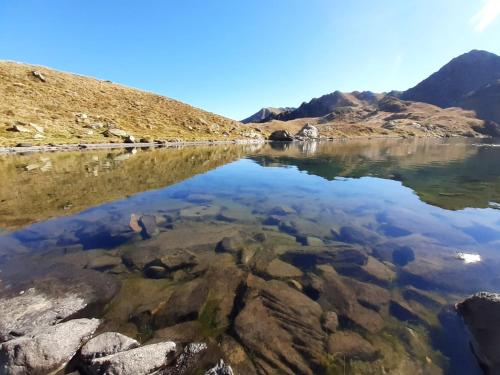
{"x": 366, "y": 229}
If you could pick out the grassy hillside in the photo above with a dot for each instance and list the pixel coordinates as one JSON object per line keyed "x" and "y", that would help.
{"x": 67, "y": 108}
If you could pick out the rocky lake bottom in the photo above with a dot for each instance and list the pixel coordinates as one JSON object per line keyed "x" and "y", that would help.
{"x": 302, "y": 258}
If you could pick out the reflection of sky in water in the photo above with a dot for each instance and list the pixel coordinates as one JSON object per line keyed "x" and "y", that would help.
{"x": 365, "y": 201}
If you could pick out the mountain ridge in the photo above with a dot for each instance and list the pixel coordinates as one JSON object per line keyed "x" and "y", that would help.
{"x": 456, "y": 79}
{"x": 465, "y": 81}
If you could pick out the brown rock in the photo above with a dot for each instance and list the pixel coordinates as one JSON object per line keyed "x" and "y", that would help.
{"x": 185, "y": 304}
{"x": 334, "y": 294}
{"x": 279, "y": 269}
{"x": 330, "y": 322}
{"x": 350, "y": 345}
{"x": 481, "y": 313}
{"x": 281, "y": 327}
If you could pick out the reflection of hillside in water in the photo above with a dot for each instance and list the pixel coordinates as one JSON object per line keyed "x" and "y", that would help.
{"x": 452, "y": 175}
{"x": 40, "y": 186}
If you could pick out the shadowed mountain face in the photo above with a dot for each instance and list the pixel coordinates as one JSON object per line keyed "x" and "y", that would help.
{"x": 328, "y": 103}
{"x": 266, "y": 114}
{"x": 485, "y": 101}
{"x": 457, "y": 79}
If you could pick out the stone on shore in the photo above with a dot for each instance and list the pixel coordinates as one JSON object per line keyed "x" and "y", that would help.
{"x": 113, "y": 132}
{"x": 20, "y": 128}
{"x": 142, "y": 360}
{"x": 281, "y": 136}
{"x": 39, "y": 75}
{"x": 309, "y": 131}
{"x": 106, "y": 344}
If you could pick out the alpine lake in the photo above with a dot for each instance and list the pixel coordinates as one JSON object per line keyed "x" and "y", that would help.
{"x": 301, "y": 258}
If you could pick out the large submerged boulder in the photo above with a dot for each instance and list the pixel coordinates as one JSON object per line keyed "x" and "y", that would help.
{"x": 281, "y": 327}
{"x": 481, "y": 314}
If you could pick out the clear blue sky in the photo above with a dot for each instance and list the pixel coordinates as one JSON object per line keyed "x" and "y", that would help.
{"x": 233, "y": 57}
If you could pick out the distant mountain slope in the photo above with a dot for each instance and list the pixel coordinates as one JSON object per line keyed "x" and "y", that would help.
{"x": 267, "y": 113}
{"x": 390, "y": 117}
{"x": 484, "y": 101}
{"x": 328, "y": 103}
{"x": 51, "y": 106}
{"x": 455, "y": 80}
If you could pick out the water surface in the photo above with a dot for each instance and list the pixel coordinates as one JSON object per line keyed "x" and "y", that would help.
{"x": 204, "y": 238}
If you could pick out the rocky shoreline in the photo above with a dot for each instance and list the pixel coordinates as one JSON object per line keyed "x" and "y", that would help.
{"x": 38, "y": 335}
{"x": 28, "y": 148}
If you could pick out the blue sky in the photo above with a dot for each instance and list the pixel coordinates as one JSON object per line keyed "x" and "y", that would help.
{"x": 232, "y": 57}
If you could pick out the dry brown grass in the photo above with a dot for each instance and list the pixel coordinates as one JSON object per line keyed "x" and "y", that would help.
{"x": 56, "y": 103}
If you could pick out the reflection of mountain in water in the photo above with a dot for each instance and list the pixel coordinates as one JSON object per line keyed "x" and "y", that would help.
{"x": 449, "y": 175}
{"x": 41, "y": 186}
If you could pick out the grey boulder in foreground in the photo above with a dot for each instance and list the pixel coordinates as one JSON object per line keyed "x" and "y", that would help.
{"x": 481, "y": 313}
{"x": 47, "y": 350}
{"x": 35, "y": 339}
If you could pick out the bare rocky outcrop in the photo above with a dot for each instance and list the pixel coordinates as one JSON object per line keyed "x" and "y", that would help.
{"x": 308, "y": 131}
{"x": 47, "y": 350}
{"x": 33, "y": 310}
{"x": 481, "y": 314}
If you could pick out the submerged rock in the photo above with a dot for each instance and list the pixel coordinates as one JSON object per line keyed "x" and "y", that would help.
{"x": 188, "y": 359}
{"x": 279, "y": 269}
{"x": 231, "y": 245}
{"x": 358, "y": 235}
{"x": 282, "y": 327}
{"x": 330, "y": 322}
{"x": 481, "y": 314}
{"x": 350, "y": 345}
{"x": 149, "y": 226}
{"x": 46, "y": 351}
{"x": 220, "y": 369}
{"x": 333, "y": 293}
